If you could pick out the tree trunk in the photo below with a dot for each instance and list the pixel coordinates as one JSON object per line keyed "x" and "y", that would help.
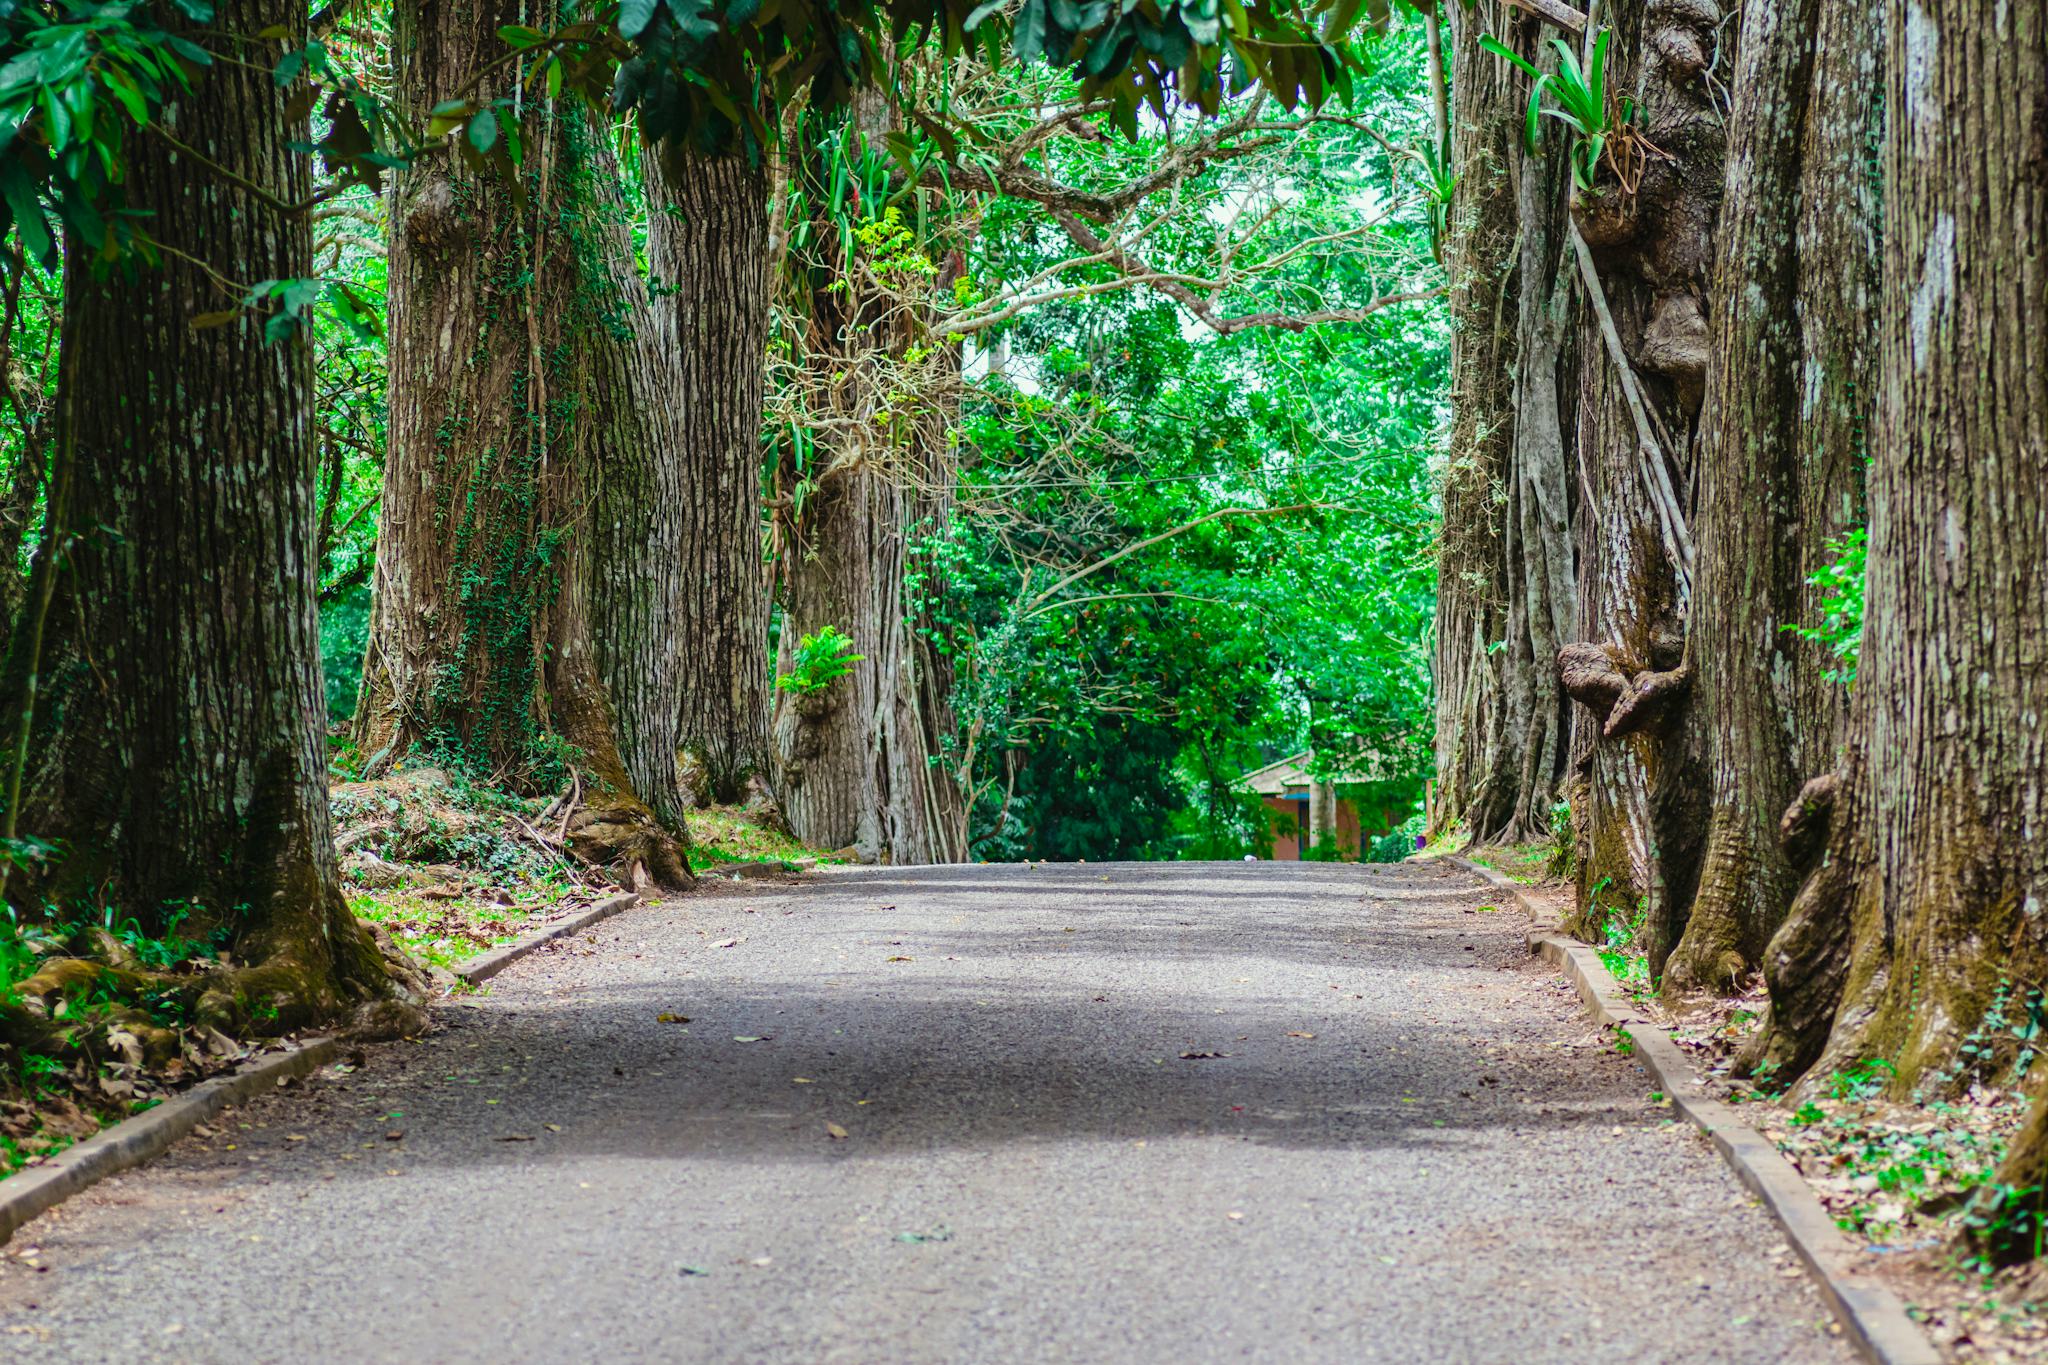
{"x": 866, "y": 763}
{"x": 863, "y": 763}
{"x": 1477, "y": 757}
{"x": 707, "y": 243}
{"x": 1777, "y": 482}
{"x": 1642, "y": 252}
{"x": 167, "y": 663}
{"x": 1937, "y": 865}
{"x": 1322, "y": 819}
{"x": 530, "y": 565}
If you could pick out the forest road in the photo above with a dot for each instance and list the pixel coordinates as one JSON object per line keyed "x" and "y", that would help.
{"x": 1120, "y": 1113}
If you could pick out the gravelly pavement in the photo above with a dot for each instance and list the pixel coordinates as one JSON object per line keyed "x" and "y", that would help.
{"x": 1412, "y": 1148}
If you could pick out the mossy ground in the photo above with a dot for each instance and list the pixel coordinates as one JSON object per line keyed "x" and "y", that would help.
{"x": 725, "y": 835}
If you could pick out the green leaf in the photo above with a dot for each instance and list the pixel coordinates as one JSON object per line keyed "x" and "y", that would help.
{"x": 483, "y": 130}
{"x": 28, "y": 213}
{"x": 1499, "y": 49}
{"x": 635, "y": 16}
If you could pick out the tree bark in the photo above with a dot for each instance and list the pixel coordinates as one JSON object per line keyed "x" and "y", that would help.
{"x": 1322, "y": 818}
{"x": 167, "y": 664}
{"x": 1777, "y": 482}
{"x": 1937, "y": 865}
{"x": 530, "y": 567}
{"x": 707, "y": 244}
{"x": 1497, "y": 761}
{"x": 865, "y": 763}
{"x": 1648, "y": 250}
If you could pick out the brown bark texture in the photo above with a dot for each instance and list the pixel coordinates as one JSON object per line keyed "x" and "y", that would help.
{"x": 708, "y": 250}
{"x": 168, "y": 656}
{"x": 1930, "y": 897}
{"x": 530, "y": 566}
{"x": 1505, "y": 569}
{"x": 864, "y": 763}
{"x": 1777, "y": 461}
{"x": 1640, "y": 250}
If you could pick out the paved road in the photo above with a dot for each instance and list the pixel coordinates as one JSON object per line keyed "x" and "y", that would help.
{"x": 1144, "y": 1113}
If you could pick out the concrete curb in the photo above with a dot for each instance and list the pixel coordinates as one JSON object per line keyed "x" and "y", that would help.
{"x": 133, "y": 1141}
{"x": 1874, "y": 1317}
{"x": 484, "y": 966}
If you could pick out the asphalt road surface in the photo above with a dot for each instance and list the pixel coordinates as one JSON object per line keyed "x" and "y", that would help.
{"x": 1132, "y": 1112}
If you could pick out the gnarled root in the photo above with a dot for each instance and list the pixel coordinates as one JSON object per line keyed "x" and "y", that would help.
{"x": 1806, "y": 966}
{"x": 1629, "y": 699}
{"x": 1648, "y": 700}
{"x": 628, "y": 838}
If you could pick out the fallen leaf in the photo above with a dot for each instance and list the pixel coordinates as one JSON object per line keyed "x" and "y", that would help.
{"x": 751, "y": 1038}
{"x": 554, "y": 1127}
{"x": 394, "y": 1135}
{"x": 801, "y": 1080}
{"x": 834, "y": 1131}
{"x": 727, "y": 943}
{"x": 517, "y": 1137}
{"x": 689, "y": 1270}
{"x": 294, "y": 1137}
{"x": 901, "y": 958}
{"x": 1298, "y": 1034}
{"x": 1234, "y": 1216}
{"x": 671, "y": 1018}
{"x": 938, "y": 1234}
{"x": 762, "y": 1261}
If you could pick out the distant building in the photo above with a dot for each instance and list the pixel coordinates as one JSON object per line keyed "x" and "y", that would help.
{"x": 1301, "y": 809}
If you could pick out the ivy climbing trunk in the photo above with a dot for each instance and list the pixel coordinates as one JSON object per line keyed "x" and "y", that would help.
{"x": 530, "y": 566}
{"x": 1778, "y": 455}
{"x": 1932, "y": 891}
{"x": 707, "y": 245}
{"x": 167, "y": 664}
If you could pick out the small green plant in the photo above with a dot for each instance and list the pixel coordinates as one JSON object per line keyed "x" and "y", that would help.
{"x": 1764, "y": 1084}
{"x": 1807, "y": 1115}
{"x": 1841, "y": 606}
{"x": 2006, "y": 1220}
{"x": 1862, "y": 1080}
{"x": 821, "y": 659}
{"x": 1563, "y": 841}
{"x": 1580, "y": 97}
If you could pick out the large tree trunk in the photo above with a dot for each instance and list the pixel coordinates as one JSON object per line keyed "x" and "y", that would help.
{"x": 1778, "y": 476}
{"x": 707, "y": 244}
{"x": 1937, "y": 868}
{"x": 1505, "y": 568}
{"x": 865, "y": 763}
{"x": 1473, "y": 758}
{"x": 1641, "y": 258}
{"x": 168, "y": 658}
{"x": 530, "y": 565}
